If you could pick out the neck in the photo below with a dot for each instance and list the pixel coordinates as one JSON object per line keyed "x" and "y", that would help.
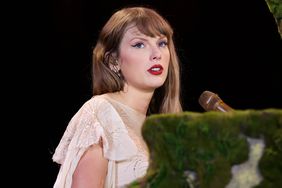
{"x": 136, "y": 99}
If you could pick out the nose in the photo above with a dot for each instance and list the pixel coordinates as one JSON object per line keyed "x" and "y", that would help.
{"x": 156, "y": 54}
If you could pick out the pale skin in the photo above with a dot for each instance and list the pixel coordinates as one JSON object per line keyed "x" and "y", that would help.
{"x": 91, "y": 169}
{"x": 138, "y": 53}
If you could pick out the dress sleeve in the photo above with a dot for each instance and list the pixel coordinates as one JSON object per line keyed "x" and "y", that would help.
{"x": 96, "y": 120}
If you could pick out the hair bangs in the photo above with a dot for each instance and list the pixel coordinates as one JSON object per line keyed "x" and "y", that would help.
{"x": 152, "y": 25}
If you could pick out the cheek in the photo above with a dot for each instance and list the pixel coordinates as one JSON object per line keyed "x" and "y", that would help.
{"x": 166, "y": 59}
{"x": 130, "y": 67}
{"x": 132, "y": 60}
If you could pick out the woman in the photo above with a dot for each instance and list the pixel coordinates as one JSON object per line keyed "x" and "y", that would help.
{"x": 135, "y": 73}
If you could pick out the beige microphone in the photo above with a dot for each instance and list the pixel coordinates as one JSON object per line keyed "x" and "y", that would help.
{"x": 211, "y": 102}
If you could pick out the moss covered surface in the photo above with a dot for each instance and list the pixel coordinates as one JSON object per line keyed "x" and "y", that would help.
{"x": 194, "y": 149}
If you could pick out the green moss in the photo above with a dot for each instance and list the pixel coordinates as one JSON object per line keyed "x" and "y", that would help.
{"x": 275, "y": 7}
{"x": 209, "y": 144}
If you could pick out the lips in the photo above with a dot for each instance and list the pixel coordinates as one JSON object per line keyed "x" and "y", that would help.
{"x": 156, "y": 69}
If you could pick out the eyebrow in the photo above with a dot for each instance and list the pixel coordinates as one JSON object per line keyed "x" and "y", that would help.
{"x": 144, "y": 37}
{"x": 140, "y": 38}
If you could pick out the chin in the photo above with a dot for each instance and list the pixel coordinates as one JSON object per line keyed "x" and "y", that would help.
{"x": 157, "y": 85}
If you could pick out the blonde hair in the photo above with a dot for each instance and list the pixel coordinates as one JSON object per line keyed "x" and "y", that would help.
{"x": 166, "y": 99}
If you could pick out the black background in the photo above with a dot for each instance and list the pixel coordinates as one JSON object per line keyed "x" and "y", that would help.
{"x": 232, "y": 48}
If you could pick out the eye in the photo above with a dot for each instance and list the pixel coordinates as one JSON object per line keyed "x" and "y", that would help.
{"x": 163, "y": 43}
{"x": 138, "y": 45}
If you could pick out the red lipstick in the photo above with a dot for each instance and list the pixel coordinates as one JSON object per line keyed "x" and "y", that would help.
{"x": 156, "y": 69}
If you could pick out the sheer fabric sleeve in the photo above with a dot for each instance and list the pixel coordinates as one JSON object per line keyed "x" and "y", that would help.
{"x": 96, "y": 120}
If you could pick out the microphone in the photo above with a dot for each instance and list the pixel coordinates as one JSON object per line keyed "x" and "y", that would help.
{"x": 211, "y": 102}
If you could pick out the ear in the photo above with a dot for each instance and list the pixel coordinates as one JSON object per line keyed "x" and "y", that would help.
{"x": 114, "y": 59}
{"x": 114, "y": 55}
{"x": 110, "y": 55}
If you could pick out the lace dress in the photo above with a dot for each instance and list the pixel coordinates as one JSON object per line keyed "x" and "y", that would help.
{"x": 119, "y": 127}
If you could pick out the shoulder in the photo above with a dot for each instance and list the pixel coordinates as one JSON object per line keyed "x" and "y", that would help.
{"x": 96, "y": 104}
{"x": 105, "y": 112}
{"x": 86, "y": 127}
{"x": 96, "y": 119}
{"x": 100, "y": 108}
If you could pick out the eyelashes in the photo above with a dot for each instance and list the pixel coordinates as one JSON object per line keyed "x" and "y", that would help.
{"x": 162, "y": 43}
{"x": 138, "y": 45}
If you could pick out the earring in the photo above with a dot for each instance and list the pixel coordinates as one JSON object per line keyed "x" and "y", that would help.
{"x": 117, "y": 71}
{"x": 115, "y": 68}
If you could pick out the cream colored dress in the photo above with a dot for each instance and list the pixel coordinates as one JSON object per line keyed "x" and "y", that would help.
{"x": 119, "y": 127}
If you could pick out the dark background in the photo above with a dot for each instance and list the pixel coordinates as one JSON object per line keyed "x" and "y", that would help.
{"x": 232, "y": 48}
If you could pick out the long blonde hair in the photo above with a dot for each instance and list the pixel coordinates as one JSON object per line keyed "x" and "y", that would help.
{"x": 166, "y": 99}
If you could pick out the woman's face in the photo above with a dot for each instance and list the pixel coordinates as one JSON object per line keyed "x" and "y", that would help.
{"x": 143, "y": 60}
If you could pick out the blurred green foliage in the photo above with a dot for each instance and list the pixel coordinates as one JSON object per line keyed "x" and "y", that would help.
{"x": 199, "y": 149}
{"x": 275, "y": 7}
